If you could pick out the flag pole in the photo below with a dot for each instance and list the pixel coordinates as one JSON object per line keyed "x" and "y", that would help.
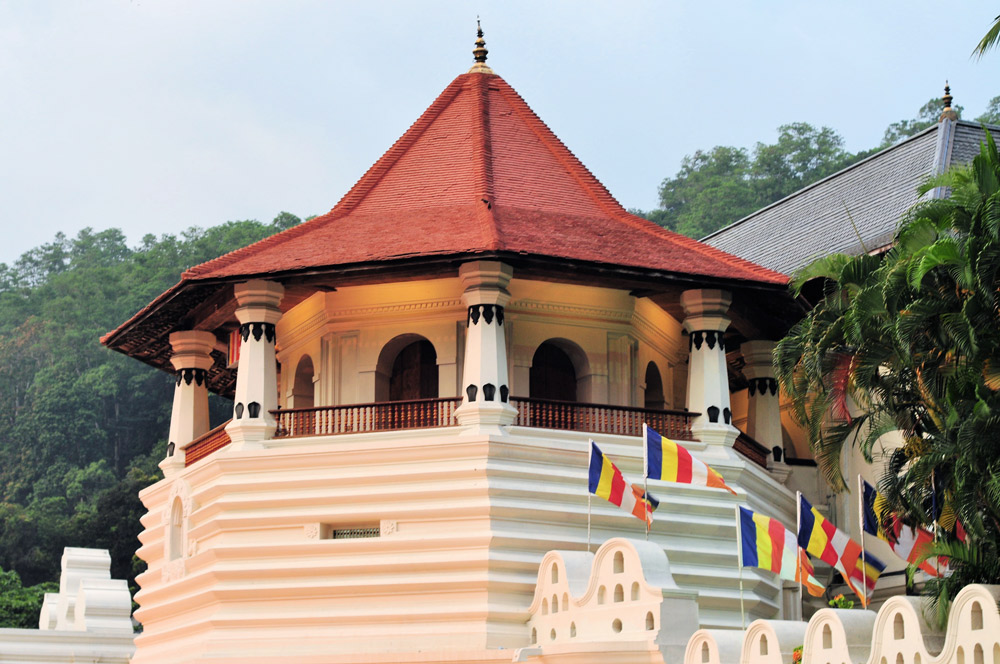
{"x": 590, "y": 458}
{"x": 739, "y": 559}
{"x": 798, "y": 560}
{"x": 645, "y": 475}
{"x": 861, "y": 523}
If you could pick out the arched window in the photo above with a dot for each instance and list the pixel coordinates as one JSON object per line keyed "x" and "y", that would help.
{"x": 552, "y": 374}
{"x": 407, "y": 369}
{"x": 302, "y": 388}
{"x": 176, "y": 534}
{"x": 654, "y": 388}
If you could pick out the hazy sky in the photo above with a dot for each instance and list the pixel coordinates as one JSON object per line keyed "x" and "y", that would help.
{"x": 156, "y": 115}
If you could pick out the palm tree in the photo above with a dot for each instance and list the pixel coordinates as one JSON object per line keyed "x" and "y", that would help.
{"x": 989, "y": 39}
{"x": 913, "y": 339}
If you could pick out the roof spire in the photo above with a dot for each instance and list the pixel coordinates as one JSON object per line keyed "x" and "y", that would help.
{"x": 479, "y": 52}
{"x": 948, "y": 113}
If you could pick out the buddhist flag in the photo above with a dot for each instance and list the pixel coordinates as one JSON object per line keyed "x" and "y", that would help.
{"x": 822, "y": 539}
{"x": 767, "y": 544}
{"x": 906, "y": 542}
{"x": 666, "y": 460}
{"x": 608, "y": 482}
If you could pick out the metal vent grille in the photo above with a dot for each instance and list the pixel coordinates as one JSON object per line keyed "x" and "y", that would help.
{"x": 356, "y": 533}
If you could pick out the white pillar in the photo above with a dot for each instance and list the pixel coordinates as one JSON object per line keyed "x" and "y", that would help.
{"x": 189, "y": 419}
{"x": 485, "y": 387}
{"x": 763, "y": 409}
{"x": 256, "y": 375}
{"x": 706, "y": 320}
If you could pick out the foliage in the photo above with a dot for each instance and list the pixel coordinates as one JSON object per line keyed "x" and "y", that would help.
{"x": 989, "y": 40}
{"x": 840, "y": 602}
{"x": 911, "y": 340}
{"x": 717, "y": 187}
{"x": 928, "y": 116}
{"x": 20, "y": 606}
{"x": 992, "y": 113}
{"x": 82, "y": 428}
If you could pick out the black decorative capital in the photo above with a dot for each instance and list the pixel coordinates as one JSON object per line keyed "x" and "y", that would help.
{"x": 713, "y": 414}
{"x": 488, "y": 312}
{"x": 489, "y": 391}
{"x": 471, "y": 391}
{"x": 258, "y": 330}
{"x": 239, "y": 411}
{"x": 763, "y": 385}
{"x": 197, "y": 376}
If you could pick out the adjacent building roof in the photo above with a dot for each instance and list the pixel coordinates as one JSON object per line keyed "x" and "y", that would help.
{"x": 855, "y": 210}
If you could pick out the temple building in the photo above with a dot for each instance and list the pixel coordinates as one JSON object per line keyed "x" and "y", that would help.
{"x": 415, "y": 376}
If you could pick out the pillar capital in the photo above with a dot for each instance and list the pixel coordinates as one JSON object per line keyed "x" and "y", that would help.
{"x": 485, "y": 282}
{"x": 706, "y": 309}
{"x": 192, "y": 349}
{"x": 758, "y": 356}
{"x": 763, "y": 406}
{"x": 258, "y": 301}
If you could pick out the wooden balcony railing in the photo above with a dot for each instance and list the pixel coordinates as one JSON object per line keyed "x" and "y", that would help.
{"x": 199, "y": 448}
{"x": 366, "y": 417}
{"x": 598, "y": 418}
{"x": 751, "y": 449}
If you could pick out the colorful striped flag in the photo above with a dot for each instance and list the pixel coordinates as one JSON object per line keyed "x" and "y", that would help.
{"x": 822, "y": 539}
{"x": 906, "y": 542}
{"x": 608, "y": 482}
{"x": 666, "y": 460}
{"x": 767, "y": 544}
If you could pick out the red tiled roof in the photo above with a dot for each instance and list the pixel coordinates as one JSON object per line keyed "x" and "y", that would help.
{"x": 479, "y": 172}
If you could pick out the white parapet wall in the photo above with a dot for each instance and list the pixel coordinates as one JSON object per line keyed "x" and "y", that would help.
{"x": 88, "y": 620}
{"x": 898, "y": 634}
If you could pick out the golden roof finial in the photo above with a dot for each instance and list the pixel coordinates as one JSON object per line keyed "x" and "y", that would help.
{"x": 479, "y": 52}
{"x": 948, "y": 113}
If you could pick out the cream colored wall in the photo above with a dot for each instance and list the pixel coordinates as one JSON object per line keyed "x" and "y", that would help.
{"x": 610, "y": 335}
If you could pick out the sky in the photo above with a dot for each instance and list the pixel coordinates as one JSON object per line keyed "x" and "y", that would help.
{"x": 155, "y": 116}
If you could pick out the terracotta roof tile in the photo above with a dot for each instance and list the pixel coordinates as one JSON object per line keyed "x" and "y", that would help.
{"x": 479, "y": 172}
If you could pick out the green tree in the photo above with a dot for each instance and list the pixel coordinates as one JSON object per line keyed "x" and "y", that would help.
{"x": 992, "y": 114}
{"x": 20, "y": 606}
{"x": 928, "y": 116}
{"x": 913, "y": 339}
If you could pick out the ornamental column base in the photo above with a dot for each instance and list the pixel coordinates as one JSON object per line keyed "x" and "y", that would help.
{"x": 249, "y": 434}
{"x": 714, "y": 433}
{"x": 486, "y": 417}
{"x": 171, "y": 465}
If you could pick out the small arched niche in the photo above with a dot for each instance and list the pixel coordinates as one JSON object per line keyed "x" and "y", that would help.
{"x": 619, "y": 562}
{"x": 898, "y": 632}
{"x": 175, "y": 545}
{"x": 706, "y": 655}
{"x": 406, "y": 370}
{"x": 827, "y": 637}
{"x": 619, "y": 593}
{"x": 303, "y": 395}
{"x": 654, "y": 398}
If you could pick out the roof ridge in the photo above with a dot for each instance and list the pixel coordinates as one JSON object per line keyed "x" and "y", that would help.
{"x": 484, "y": 152}
{"x": 808, "y": 187}
{"x": 570, "y": 162}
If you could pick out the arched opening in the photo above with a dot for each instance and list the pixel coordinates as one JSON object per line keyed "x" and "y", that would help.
{"x": 619, "y": 593}
{"x": 977, "y": 616}
{"x": 897, "y": 627}
{"x": 176, "y": 548}
{"x": 302, "y": 388}
{"x": 977, "y": 654}
{"x": 635, "y": 591}
{"x": 552, "y": 635}
{"x": 555, "y": 604}
{"x": 650, "y": 623}
{"x": 705, "y": 654}
{"x": 572, "y": 630}
{"x": 960, "y": 655}
{"x": 534, "y": 636}
{"x": 565, "y": 603}
{"x": 545, "y": 606}
{"x": 899, "y": 658}
{"x": 619, "y": 562}
{"x": 827, "y": 637}
{"x": 407, "y": 369}
{"x": 602, "y": 595}
{"x": 763, "y": 645}
{"x": 553, "y": 374}
{"x": 654, "y": 388}
{"x": 616, "y": 626}
{"x": 555, "y": 574}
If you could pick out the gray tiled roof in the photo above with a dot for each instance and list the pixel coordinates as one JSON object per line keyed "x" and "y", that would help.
{"x": 875, "y": 193}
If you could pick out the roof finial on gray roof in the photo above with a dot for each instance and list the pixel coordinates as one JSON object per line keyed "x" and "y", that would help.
{"x": 479, "y": 52}
{"x": 948, "y": 113}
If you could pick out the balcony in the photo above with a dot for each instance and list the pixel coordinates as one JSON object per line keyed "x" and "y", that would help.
{"x": 429, "y": 413}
